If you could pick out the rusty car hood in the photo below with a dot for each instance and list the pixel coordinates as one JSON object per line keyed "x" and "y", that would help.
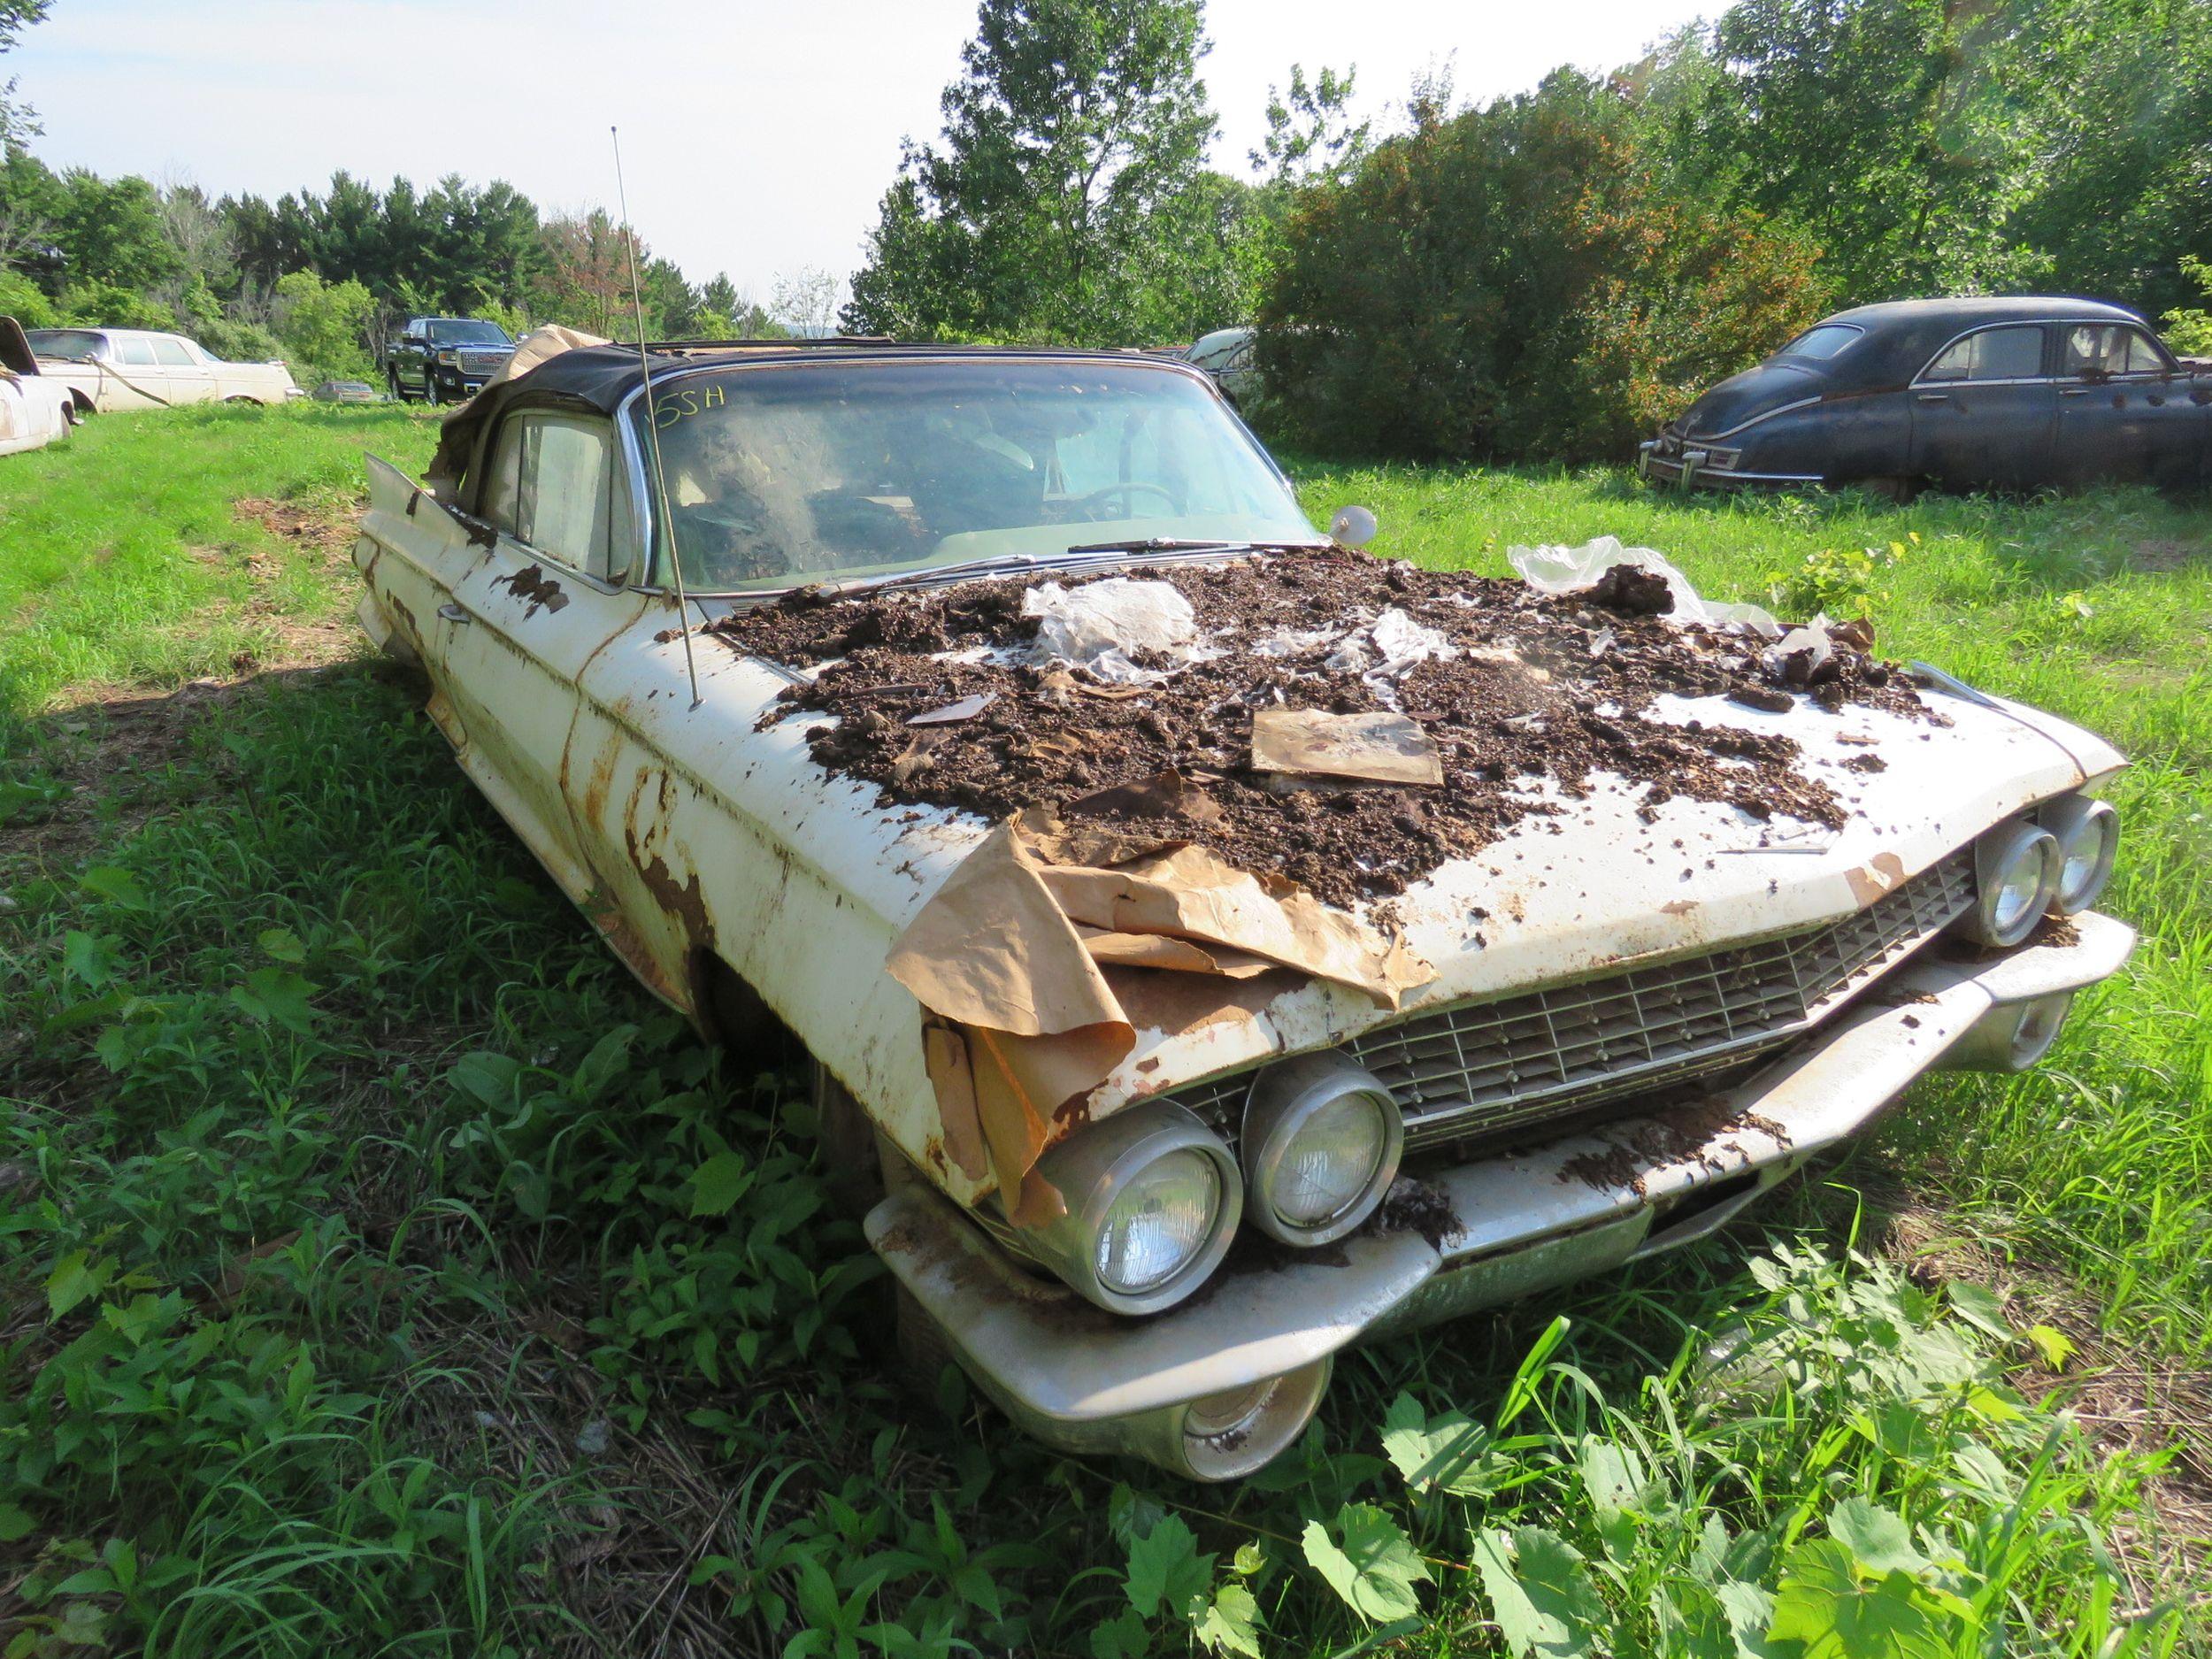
{"x": 1605, "y": 879}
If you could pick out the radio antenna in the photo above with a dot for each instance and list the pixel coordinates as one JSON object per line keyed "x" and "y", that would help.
{"x": 653, "y": 424}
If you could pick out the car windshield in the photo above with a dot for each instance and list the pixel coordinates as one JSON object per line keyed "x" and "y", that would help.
{"x": 781, "y": 475}
{"x": 66, "y": 345}
{"x": 1821, "y": 341}
{"x": 460, "y": 332}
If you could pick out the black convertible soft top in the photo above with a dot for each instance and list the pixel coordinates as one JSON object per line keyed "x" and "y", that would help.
{"x": 595, "y": 380}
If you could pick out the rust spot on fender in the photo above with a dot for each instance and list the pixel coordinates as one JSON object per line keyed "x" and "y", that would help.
{"x": 1884, "y": 874}
{"x": 531, "y": 583}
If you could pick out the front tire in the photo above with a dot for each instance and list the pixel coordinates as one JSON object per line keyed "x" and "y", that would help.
{"x": 398, "y": 392}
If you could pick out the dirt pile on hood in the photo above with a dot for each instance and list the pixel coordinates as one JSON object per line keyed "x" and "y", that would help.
{"x": 1505, "y": 688}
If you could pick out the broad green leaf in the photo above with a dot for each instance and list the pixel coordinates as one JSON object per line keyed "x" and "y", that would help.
{"x": 277, "y": 994}
{"x": 1612, "y": 1474}
{"x": 1370, "y": 1563}
{"x": 281, "y": 943}
{"x": 486, "y": 1078}
{"x": 2052, "y": 1346}
{"x": 14, "y": 1524}
{"x": 1165, "y": 1569}
{"x": 718, "y": 1184}
{"x": 1980, "y": 1307}
{"x": 1122, "y": 1637}
{"x": 74, "y": 1278}
{"x": 119, "y": 887}
{"x": 1878, "y": 1538}
{"x": 1822, "y": 1604}
{"x": 88, "y": 957}
{"x": 1230, "y": 1622}
{"x": 1448, "y": 1451}
{"x": 1540, "y": 1595}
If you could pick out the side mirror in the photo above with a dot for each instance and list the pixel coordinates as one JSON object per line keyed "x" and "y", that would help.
{"x": 1353, "y": 526}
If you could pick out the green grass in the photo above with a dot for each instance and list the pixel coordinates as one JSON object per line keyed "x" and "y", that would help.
{"x": 384, "y": 1273}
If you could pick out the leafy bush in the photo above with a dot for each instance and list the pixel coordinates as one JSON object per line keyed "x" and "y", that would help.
{"x": 23, "y": 300}
{"x": 2189, "y": 331}
{"x": 239, "y": 343}
{"x": 1524, "y": 280}
{"x": 324, "y": 327}
{"x": 104, "y": 305}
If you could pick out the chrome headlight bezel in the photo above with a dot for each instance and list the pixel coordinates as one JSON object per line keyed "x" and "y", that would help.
{"x": 2086, "y": 828}
{"x": 1094, "y": 1168}
{"x": 2003, "y": 915}
{"x": 1285, "y": 1099}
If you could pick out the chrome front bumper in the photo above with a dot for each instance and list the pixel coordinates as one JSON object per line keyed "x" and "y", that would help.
{"x": 1689, "y": 469}
{"x": 1493, "y": 1230}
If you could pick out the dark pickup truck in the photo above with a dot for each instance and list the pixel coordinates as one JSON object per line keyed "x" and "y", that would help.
{"x": 444, "y": 359}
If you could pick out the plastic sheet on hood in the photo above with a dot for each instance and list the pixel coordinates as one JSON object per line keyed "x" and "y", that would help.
{"x": 1570, "y": 570}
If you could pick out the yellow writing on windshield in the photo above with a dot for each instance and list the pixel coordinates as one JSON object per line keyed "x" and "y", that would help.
{"x": 682, "y": 402}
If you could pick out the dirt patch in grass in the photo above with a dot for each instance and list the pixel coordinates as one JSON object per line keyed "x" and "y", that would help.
{"x": 2130, "y": 1399}
{"x": 2159, "y": 555}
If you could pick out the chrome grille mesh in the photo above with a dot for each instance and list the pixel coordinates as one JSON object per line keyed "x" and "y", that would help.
{"x": 483, "y": 362}
{"x": 1480, "y": 1067}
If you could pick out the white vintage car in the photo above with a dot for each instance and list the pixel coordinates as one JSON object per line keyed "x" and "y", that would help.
{"x": 36, "y": 409}
{"x": 1380, "y": 1000}
{"x": 137, "y": 368}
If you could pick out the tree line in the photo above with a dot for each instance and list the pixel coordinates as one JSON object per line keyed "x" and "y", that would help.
{"x": 1550, "y": 273}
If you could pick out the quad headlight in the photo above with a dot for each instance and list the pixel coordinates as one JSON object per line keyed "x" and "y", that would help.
{"x": 2015, "y": 872}
{"x": 1321, "y": 1143}
{"x": 1152, "y": 1202}
{"x": 2088, "y": 834}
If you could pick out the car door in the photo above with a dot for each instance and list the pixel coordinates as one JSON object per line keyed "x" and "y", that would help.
{"x": 541, "y": 594}
{"x": 1984, "y": 412}
{"x": 184, "y": 378}
{"x": 2125, "y": 408}
{"x": 134, "y": 379}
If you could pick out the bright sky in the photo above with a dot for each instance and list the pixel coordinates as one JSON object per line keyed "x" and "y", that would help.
{"x": 757, "y": 137}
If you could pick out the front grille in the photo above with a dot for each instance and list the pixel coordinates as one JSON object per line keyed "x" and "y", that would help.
{"x": 1477, "y": 1068}
{"x": 483, "y": 362}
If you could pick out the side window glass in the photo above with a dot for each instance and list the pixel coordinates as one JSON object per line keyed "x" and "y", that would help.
{"x": 171, "y": 353}
{"x": 1994, "y": 354}
{"x": 2142, "y": 356}
{"x": 500, "y": 501}
{"x": 2099, "y": 348}
{"x": 553, "y": 487}
{"x": 135, "y": 353}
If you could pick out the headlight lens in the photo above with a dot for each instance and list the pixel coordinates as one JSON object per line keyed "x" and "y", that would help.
{"x": 448, "y": 357}
{"x": 1161, "y": 1219}
{"x": 1321, "y": 1144}
{"x": 2088, "y": 834}
{"x": 1153, "y": 1200}
{"x": 2016, "y": 870}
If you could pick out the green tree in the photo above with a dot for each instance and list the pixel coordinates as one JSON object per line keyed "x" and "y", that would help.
{"x": 17, "y": 122}
{"x": 1073, "y": 124}
{"x": 1524, "y": 280}
{"x": 323, "y": 326}
{"x": 110, "y": 231}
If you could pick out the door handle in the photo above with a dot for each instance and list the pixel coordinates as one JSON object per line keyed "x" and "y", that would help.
{"x": 2073, "y": 391}
{"x": 1935, "y": 397}
{"x": 454, "y": 613}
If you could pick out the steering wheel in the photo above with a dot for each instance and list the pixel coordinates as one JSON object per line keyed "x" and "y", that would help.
{"x": 1126, "y": 488}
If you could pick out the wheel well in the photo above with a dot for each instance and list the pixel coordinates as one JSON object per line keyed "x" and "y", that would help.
{"x": 731, "y": 1013}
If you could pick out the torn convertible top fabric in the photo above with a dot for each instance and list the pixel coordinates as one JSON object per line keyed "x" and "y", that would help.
{"x": 1011, "y": 957}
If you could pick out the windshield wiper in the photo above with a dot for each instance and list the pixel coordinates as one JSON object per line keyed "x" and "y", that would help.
{"x": 965, "y": 567}
{"x": 1155, "y": 544}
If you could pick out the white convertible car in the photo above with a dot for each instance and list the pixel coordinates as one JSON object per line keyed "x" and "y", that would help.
{"x": 135, "y": 368}
{"x": 1216, "y": 946}
{"x": 34, "y": 409}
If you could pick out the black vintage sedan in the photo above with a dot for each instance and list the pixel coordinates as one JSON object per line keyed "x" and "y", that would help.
{"x": 1964, "y": 394}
